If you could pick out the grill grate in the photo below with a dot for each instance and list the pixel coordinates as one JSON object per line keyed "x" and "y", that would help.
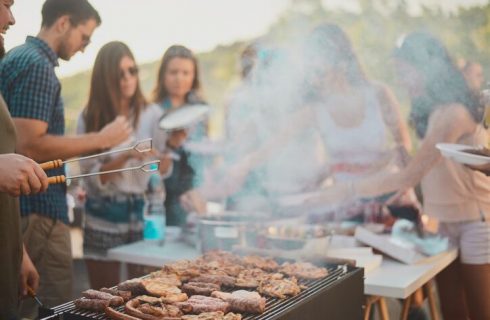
{"x": 275, "y": 308}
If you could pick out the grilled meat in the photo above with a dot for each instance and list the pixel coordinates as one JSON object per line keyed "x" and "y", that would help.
{"x": 303, "y": 270}
{"x": 184, "y": 269}
{"x": 250, "y": 278}
{"x": 92, "y": 304}
{"x": 266, "y": 264}
{"x": 135, "y": 286}
{"x": 279, "y": 288}
{"x": 169, "y": 278}
{"x": 95, "y": 294}
{"x": 147, "y": 311}
{"x": 221, "y": 280}
{"x": 158, "y": 288}
{"x": 242, "y": 301}
{"x": 126, "y": 295}
{"x": 198, "y": 304}
{"x": 200, "y": 288}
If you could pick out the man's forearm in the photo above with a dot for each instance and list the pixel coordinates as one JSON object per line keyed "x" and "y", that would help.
{"x": 50, "y": 147}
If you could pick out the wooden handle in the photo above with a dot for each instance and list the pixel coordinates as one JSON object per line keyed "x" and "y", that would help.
{"x": 56, "y": 179}
{"x": 51, "y": 164}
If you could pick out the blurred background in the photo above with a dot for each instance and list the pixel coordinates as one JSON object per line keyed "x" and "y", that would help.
{"x": 218, "y": 30}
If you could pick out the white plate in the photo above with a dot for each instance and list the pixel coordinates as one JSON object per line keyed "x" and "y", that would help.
{"x": 454, "y": 152}
{"x": 184, "y": 117}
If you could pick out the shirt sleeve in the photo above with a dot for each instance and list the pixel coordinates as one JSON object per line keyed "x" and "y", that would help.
{"x": 35, "y": 94}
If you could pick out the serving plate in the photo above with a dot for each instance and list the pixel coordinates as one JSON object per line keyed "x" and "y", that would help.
{"x": 184, "y": 117}
{"x": 456, "y": 152}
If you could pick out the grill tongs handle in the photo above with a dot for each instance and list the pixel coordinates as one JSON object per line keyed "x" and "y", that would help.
{"x": 140, "y": 146}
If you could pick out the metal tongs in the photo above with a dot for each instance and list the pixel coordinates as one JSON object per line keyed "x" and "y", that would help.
{"x": 140, "y": 146}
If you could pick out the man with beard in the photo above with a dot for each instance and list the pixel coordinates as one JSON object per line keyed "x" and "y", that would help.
{"x": 18, "y": 175}
{"x": 32, "y": 92}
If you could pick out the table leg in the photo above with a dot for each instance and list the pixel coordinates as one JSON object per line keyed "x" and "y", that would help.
{"x": 383, "y": 309}
{"x": 428, "y": 288}
{"x": 406, "y": 307}
{"x": 368, "y": 304}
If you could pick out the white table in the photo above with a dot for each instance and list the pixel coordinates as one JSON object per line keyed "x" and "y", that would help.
{"x": 398, "y": 280}
{"x": 150, "y": 253}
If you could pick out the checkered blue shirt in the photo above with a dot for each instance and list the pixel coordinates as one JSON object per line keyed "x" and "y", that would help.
{"x": 32, "y": 90}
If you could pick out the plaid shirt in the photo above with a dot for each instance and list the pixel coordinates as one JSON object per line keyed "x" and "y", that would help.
{"x": 32, "y": 90}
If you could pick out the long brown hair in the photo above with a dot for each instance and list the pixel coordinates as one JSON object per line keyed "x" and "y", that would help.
{"x": 105, "y": 92}
{"x": 176, "y": 51}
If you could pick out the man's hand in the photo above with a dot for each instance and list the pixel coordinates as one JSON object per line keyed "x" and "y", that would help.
{"x": 21, "y": 175}
{"x": 115, "y": 132}
{"x": 28, "y": 275}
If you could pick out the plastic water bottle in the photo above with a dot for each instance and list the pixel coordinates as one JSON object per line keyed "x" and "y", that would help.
{"x": 154, "y": 220}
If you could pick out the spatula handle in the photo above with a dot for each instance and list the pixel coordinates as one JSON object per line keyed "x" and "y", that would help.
{"x": 56, "y": 179}
{"x": 53, "y": 164}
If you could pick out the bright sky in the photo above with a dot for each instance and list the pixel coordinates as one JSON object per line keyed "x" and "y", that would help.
{"x": 151, "y": 26}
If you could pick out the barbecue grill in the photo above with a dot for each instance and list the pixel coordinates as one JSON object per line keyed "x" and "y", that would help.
{"x": 338, "y": 296}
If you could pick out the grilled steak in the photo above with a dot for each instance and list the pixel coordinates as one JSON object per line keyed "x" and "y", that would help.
{"x": 158, "y": 288}
{"x": 303, "y": 270}
{"x": 135, "y": 286}
{"x": 169, "y": 278}
{"x": 199, "y": 304}
{"x": 147, "y": 311}
{"x": 250, "y": 278}
{"x": 279, "y": 288}
{"x": 242, "y": 301}
{"x": 221, "y": 280}
{"x": 200, "y": 288}
{"x": 266, "y": 264}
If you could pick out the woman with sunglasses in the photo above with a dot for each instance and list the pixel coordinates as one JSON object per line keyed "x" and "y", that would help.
{"x": 115, "y": 202}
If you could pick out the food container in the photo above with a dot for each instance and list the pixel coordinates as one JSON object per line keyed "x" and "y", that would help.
{"x": 227, "y": 229}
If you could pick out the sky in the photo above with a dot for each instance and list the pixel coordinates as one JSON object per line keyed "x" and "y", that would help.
{"x": 149, "y": 27}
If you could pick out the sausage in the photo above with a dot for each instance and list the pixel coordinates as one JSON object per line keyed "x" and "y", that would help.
{"x": 91, "y": 304}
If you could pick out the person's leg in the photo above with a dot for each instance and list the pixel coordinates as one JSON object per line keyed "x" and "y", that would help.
{"x": 451, "y": 292}
{"x": 475, "y": 268}
{"x": 477, "y": 287}
{"x": 103, "y": 273}
{"x": 49, "y": 246}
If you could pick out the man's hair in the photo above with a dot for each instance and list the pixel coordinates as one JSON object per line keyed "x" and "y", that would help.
{"x": 78, "y": 10}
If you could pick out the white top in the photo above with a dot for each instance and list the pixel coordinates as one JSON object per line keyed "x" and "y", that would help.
{"x": 362, "y": 145}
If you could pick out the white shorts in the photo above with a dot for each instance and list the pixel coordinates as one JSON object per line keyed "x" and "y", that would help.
{"x": 471, "y": 237}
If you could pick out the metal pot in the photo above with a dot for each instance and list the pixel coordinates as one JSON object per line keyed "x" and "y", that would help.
{"x": 225, "y": 230}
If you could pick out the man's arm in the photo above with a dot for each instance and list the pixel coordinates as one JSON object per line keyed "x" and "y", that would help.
{"x": 35, "y": 143}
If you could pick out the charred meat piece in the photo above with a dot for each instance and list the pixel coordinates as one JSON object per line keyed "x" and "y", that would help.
{"x": 126, "y": 295}
{"x": 92, "y": 304}
{"x": 221, "y": 280}
{"x": 279, "y": 288}
{"x": 148, "y": 311}
{"x": 200, "y": 288}
{"x": 170, "y": 278}
{"x": 158, "y": 288}
{"x": 184, "y": 269}
{"x": 213, "y": 316}
{"x": 199, "y": 304}
{"x": 266, "y": 264}
{"x": 303, "y": 270}
{"x": 95, "y": 294}
{"x": 133, "y": 285}
{"x": 250, "y": 278}
{"x": 242, "y": 301}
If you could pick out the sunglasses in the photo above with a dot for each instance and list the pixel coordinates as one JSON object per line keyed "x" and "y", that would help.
{"x": 131, "y": 71}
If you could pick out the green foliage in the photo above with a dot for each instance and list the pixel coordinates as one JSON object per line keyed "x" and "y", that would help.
{"x": 373, "y": 32}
